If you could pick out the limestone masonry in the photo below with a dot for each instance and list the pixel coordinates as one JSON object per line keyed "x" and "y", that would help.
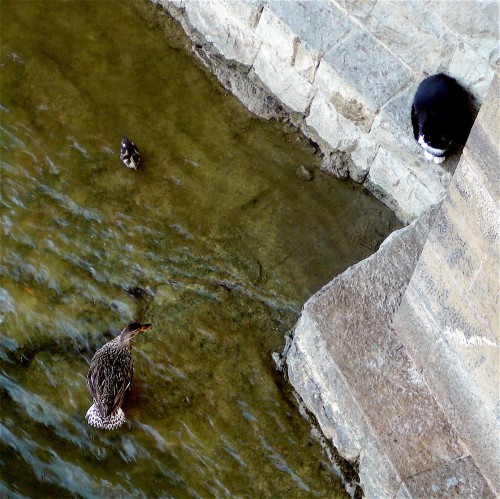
{"x": 397, "y": 357}
{"x": 346, "y": 71}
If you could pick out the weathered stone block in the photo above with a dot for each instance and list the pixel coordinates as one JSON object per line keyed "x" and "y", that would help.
{"x": 460, "y": 478}
{"x": 319, "y": 24}
{"x": 329, "y": 398}
{"x": 363, "y": 154}
{"x": 472, "y": 70}
{"x": 363, "y": 63}
{"x": 354, "y": 359}
{"x": 232, "y": 34}
{"x": 414, "y": 33}
{"x": 289, "y": 86}
{"x": 356, "y": 8}
{"x": 247, "y": 12}
{"x": 398, "y": 110}
{"x": 336, "y": 131}
{"x": 399, "y": 179}
{"x": 329, "y": 83}
{"x": 306, "y": 61}
{"x": 277, "y": 34}
{"x": 317, "y": 27}
{"x": 476, "y": 23}
{"x": 448, "y": 320}
{"x": 452, "y": 385}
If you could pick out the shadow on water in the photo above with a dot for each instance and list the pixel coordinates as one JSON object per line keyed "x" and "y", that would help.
{"x": 215, "y": 241}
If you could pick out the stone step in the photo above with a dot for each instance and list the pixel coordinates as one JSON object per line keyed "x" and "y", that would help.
{"x": 355, "y": 375}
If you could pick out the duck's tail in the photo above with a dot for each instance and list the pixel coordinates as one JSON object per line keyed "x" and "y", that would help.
{"x": 111, "y": 423}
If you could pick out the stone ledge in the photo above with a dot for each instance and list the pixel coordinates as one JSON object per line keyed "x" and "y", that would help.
{"x": 354, "y": 374}
{"x": 365, "y": 61}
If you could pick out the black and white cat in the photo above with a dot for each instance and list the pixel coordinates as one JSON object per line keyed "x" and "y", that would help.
{"x": 441, "y": 116}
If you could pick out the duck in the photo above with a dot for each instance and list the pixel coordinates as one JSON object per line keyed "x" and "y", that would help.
{"x": 129, "y": 154}
{"x": 110, "y": 377}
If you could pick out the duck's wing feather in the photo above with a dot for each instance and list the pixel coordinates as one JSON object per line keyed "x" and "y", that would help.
{"x": 109, "y": 377}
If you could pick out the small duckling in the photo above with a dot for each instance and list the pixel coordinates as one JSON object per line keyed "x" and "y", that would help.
{"x": 129, "y": 154}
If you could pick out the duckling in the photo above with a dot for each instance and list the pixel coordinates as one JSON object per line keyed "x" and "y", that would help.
{"x": 129, "y": 154}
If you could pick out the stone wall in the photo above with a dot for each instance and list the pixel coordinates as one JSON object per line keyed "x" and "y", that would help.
{"x": 398, "y": 356}
{"x": 346, "y": 72}
{"x": 449, "y": 317}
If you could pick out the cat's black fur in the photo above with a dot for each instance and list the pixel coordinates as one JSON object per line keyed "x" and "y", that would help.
{"x": 441, "y": 116}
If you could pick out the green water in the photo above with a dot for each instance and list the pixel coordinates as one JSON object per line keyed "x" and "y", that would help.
{"x": 216, "y": 241}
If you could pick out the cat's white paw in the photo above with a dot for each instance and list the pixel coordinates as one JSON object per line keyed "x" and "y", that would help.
{"x": 428, "y": 156}
{"x": 439, "y": 159}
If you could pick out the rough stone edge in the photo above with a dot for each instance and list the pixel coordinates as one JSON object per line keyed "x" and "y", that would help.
{"x": 235, "y": 77}
{"x": 358, "y": 457}
{"x": 253, "y": 93}
{"x": 347, "y": 470}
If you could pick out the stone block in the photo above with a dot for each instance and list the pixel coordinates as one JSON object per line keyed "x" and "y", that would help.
{"x": 476, "y": 23}
{"x": 399, "y": 179}
{"x": 356, "y": 8}
{"x": 448, "y": 319}
{"x": 247, "y": 12}
{"x": 232, "y": 35}
{"x": 414, "y": 33}
{"x": 306, "y": 61}
{"x": 452, "y": 386}
{"x": 363, "y": 154}
{"x": 327, "y": 395}
{"x": 354, "y": 361}
{"x": 364, "y": 64}
{"x": 317, "y": 26}
{"x": 336, "y": 131}
{"x": 327, "y": 80}
{"x": 483, "y": 143}
{"x": 460, "y": 478}
{"x": 289, "y": 86}
{"x": 276, "y": 33}
{"x": 398, "y": 110}
{"x": 476, "y": 230}
{"x": 471, "y": 70}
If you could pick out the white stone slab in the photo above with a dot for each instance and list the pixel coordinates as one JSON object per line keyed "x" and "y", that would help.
{"x": 338, "y": 132}
{"x": 274, "y": 32}
{"x": 404, "y": 183}
{"x": 363, "y": 63}
{"x": 471, "y": 70}
{"x": 283, "y": 80}
{"x": 414, "y": 34}
{"x": 231, "y": 36}
{"x": 476, "y": 23}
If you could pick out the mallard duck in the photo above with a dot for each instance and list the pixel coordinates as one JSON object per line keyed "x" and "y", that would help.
{"x": 110, "y": 376}
{"x": 129, "y": 154}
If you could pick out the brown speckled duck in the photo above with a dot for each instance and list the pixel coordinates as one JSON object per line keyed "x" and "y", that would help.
{"x": 110, "y": 376}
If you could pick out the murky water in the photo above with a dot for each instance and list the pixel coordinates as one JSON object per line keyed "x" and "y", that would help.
{"x": 216, "y": 241}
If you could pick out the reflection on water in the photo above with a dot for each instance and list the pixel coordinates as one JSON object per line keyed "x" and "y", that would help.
{"x": 215, "y": 241}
